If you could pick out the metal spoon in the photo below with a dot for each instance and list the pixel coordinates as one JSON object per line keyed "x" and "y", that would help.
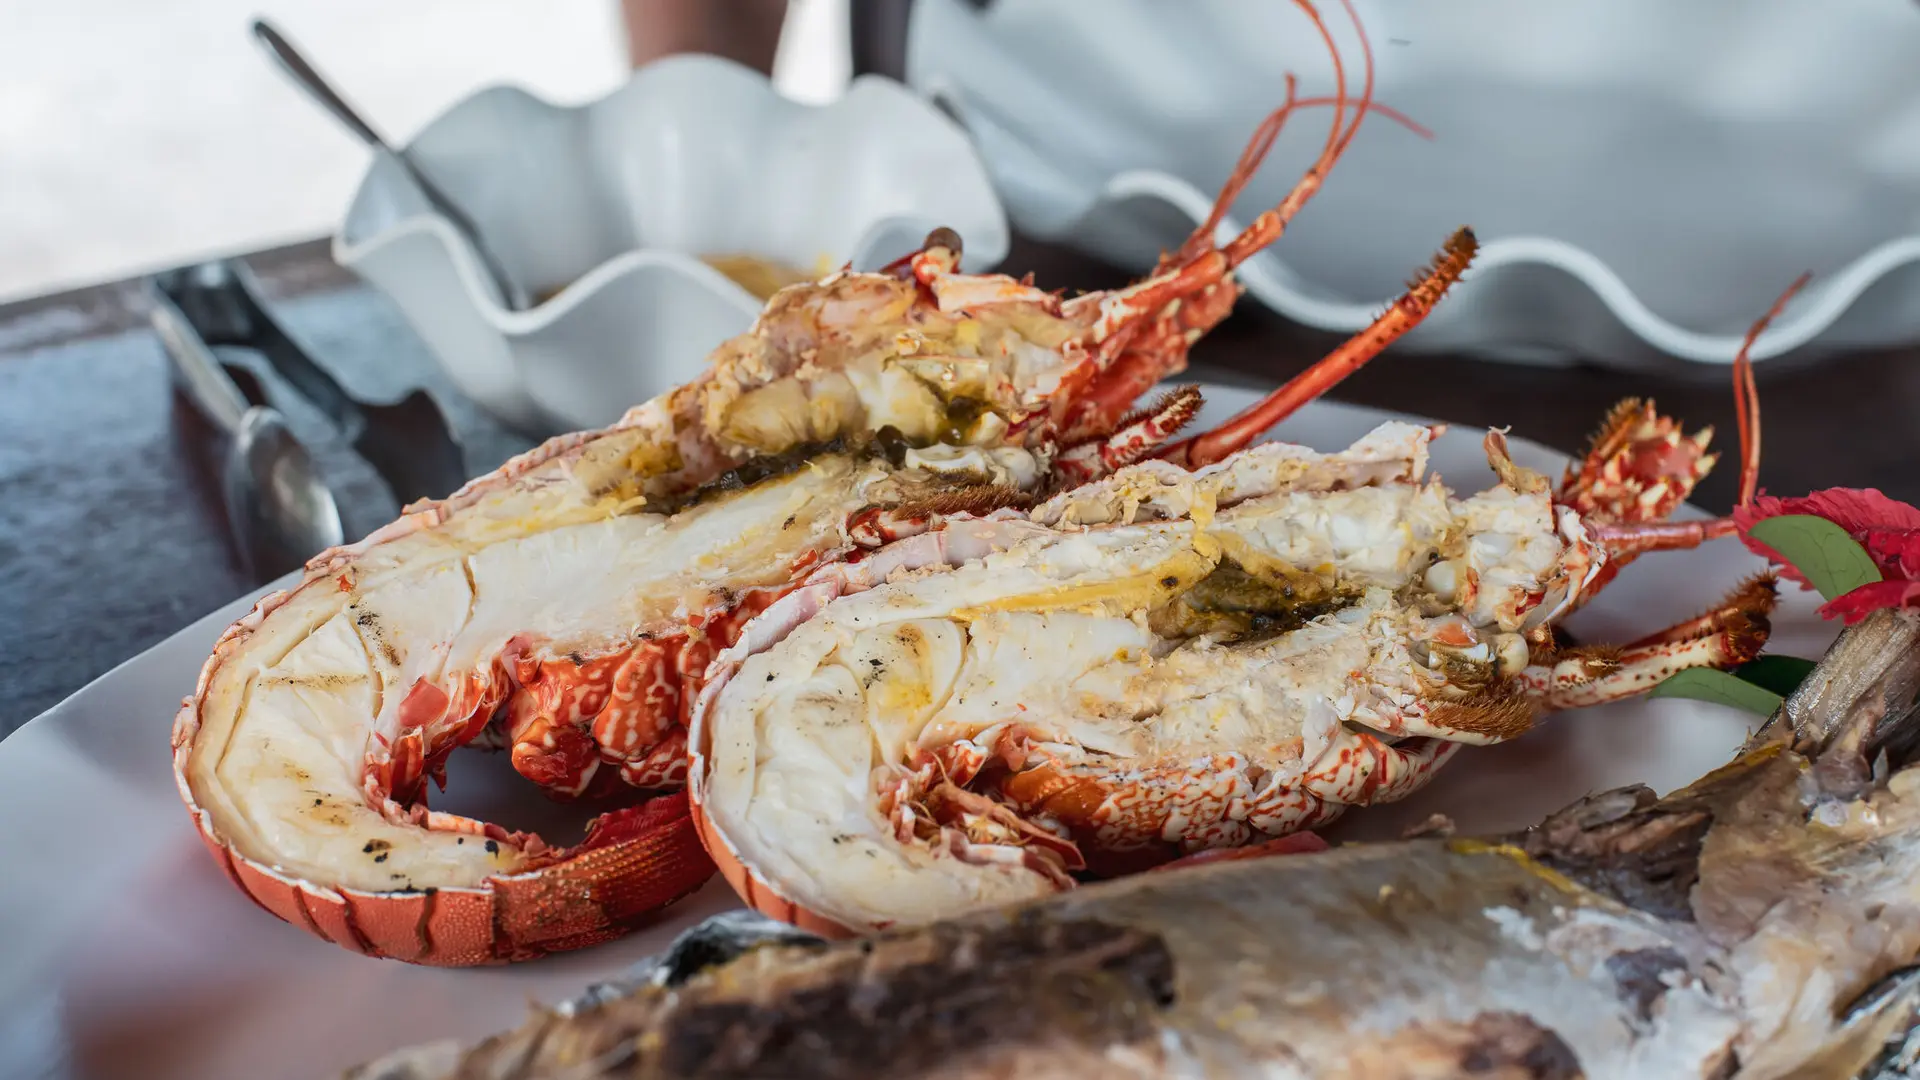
{"x": 408, "y": 442}
{"x": 282, "y": 50}
{"x": 280, "y": 512}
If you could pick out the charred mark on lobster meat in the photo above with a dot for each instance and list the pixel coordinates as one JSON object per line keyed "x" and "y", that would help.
{"x": 1239, "y": 605}
{"x": 887, "y": 444}
{"x": 754, "y": 471}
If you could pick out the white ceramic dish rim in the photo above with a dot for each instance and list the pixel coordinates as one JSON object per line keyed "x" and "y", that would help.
{"x": 1277, "y": 283}
{"x": 350, "y": 250}
{"x": 1809, "y": 315}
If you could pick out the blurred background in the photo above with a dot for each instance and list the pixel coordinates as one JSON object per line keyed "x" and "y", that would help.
{"x": 173, "y": 101}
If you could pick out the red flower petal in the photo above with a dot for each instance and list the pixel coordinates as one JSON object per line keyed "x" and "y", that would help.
{"x": 1857, "y": 510}
{"x": 1895, "y": 551}
{"x": 1869, "y": 598}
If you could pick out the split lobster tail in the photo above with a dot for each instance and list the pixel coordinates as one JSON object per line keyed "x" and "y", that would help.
{"x": 1163, "y": 662}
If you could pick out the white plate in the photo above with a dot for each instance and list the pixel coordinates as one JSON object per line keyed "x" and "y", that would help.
{"x": 1641, "y": 194}
{"x": 127, "y": 952}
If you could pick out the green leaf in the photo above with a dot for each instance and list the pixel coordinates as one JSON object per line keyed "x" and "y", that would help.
{"x": 1780, "y": 674}
{"x": 1832, "y": 561}
{"x": 1706, "y": 684}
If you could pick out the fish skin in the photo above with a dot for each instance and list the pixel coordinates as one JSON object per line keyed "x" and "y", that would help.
{"x": 1758, "y": 923}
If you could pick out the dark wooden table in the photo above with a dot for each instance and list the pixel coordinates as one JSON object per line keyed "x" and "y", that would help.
{"x": 112, "y": 535}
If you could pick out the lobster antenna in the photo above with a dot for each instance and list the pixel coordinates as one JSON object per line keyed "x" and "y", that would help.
{"x": 1746, "y": 395}
{"x": 1401, "y": 316}
{"x": 1242, "y": 174}
{"x": 1257, "y": 148}
{"x": 1268, "y": 226}
{"x": 1201, "y": 239}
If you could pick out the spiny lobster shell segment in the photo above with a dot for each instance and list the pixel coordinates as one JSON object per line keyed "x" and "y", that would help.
{"x": 1225, "y": 790}
{"x": 576, "y": 722}
{"x": 647, "y": 858}
{"x": 1639, "y": 469}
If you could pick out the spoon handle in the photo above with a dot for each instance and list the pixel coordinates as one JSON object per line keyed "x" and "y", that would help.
{"x": 303, "y": 73}
{"x": 511, "y": 293}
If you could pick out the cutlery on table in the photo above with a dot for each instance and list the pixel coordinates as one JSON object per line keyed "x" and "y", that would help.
{"x": 408, "y": 443}
{"x": 309, "y": 79}
{"x": 279, "y": 510}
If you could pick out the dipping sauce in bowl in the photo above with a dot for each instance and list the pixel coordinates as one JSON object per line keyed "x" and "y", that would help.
{"x": 758, "y": 275}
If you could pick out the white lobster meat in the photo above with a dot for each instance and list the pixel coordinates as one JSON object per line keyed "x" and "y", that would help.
{"x": 1160, "y": 662}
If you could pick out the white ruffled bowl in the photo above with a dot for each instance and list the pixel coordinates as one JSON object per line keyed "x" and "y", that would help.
{"x": 613, "y": 202}
{"x": 1645, "y": 177}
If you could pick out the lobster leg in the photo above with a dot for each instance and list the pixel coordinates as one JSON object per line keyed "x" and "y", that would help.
{"x": 1201, "y": 239}
{"x": 1404, "y": 315}
{"x": 1725, "y": 637}
{"x": 1136, "y": 437}
{"x": 1156, "y": 353}
{"x": 1626, "y": 542}
{"x": 1267, "y": 228}
{"x": 1196, "y": 264}
{"x": 1757, "y": 594}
